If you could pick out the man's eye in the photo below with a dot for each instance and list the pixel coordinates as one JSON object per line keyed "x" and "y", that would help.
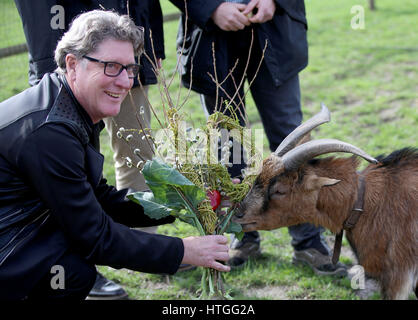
{"x": 113, "y": 66}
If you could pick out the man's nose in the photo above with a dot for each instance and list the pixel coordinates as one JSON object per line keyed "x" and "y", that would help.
{"x": 123, "y": 80}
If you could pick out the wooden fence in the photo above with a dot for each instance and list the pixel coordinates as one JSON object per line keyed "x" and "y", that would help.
{"x": 20, "y": 48}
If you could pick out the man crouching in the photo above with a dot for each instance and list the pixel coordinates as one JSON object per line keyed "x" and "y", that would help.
{"x": 55, "y": 207}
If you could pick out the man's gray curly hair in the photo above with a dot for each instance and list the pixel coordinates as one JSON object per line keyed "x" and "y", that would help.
{"x": 91, "y": 28}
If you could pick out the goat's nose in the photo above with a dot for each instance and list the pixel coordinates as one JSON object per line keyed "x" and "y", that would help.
{"x": 239, "y": 213}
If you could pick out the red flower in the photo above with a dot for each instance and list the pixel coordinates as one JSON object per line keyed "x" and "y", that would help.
{"x": 215, "y": 198}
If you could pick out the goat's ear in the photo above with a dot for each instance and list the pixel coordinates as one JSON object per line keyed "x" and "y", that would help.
{"x": 313, "y": 182}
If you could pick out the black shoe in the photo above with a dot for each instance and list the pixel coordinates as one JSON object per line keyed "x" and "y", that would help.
{"x": 105, "y": 289}
{"x": 315, "y": 253}
{"x": 241, "y": 251}
{"x": 320, "y": 263}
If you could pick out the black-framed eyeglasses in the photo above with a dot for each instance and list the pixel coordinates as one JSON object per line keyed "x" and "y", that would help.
{"x": 113, "y": 69}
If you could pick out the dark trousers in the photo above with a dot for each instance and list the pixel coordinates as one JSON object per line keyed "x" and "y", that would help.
{"x": 79, "y": 278}
{"x": 279, "y": 109}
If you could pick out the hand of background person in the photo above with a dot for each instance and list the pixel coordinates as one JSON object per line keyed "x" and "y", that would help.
{"x": 159, "y": 63}
{"x": 229, "y": 16}
{"x": 204, "y": 251}
{"x": 265, "y": 10}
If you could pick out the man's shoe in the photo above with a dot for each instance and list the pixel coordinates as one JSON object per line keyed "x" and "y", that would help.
{"x": 320, "y": 263}
{"x": 241, "y": 251}
{"x": 105, "y": 289}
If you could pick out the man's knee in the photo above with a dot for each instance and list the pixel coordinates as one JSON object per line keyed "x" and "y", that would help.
{"x": 71, "y": 278}
{"x": 79, "y": 278}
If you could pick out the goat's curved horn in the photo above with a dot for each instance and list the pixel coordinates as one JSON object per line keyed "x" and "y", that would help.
{"x": 296, "y": 135}
{"x": 299, "y": 155}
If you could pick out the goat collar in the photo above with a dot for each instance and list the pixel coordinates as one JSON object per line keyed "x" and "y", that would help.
{"x": 352, "y": 219}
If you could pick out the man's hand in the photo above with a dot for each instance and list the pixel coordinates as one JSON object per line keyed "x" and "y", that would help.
{"x": 265, "y": 10}
{"x": 206, "y": 251}
{"x": 229, "y": 16}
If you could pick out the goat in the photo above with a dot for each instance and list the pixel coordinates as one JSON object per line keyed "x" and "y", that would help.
{"x": 293, "y": 188}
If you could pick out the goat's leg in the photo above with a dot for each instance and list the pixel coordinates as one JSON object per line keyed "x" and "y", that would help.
{"x": 396, "y": 285}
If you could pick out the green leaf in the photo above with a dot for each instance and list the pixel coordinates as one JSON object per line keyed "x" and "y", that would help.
{"x": 171, "y": 193}
{"x": 230, "y": 226}
{"x": 152, "y": 209}
{"x": 239, "y": 235}
{"x": 188, "y": 218}
{"x": 156, "y": 171}
{"x": 233, "y": 227}
{"x": 163, "y": 180}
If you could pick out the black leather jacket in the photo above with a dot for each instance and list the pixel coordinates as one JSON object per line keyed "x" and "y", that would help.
{"x": 53, "y": 197}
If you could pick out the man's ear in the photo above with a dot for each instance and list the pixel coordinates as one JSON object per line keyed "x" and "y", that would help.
{"x": 314, "y": 182}
{"x": 71, "y": 65}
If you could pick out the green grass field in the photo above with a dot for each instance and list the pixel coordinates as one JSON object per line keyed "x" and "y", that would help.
{"x": 368, "y": 80}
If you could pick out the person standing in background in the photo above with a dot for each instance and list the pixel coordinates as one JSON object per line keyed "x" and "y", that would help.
{"x": 239, "y": 30}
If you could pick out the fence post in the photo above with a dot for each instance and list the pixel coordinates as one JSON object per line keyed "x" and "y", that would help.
{"x": 372, "y": 5}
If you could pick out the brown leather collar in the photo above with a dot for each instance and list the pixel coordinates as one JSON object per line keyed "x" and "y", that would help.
{"x": 352, "y": 219}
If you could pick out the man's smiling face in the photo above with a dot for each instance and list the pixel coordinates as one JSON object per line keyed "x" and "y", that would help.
{"x": 100, "y": 95}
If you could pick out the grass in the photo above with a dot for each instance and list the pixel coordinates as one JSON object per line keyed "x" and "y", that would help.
{"x": 366, "y": 77}
{"x": 13, "y": 78}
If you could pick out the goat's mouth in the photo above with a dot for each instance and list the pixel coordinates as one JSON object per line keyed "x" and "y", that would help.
{"x": 248, "y": 226}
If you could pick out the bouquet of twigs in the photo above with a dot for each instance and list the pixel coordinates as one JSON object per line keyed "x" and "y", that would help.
{"x": 186, "y": 178}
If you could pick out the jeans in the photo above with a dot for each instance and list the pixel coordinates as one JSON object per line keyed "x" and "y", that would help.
{"x": 130, "y": 118}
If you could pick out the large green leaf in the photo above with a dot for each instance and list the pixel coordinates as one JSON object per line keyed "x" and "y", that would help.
{"x": 151, "y": 208}
{"x": 156, "y": 171}
{"x": 165, "y": 183}
{"x": 233, "y": 227}
{"x": 173, "y": 194}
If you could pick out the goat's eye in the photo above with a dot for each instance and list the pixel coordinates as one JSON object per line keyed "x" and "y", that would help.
{"x": 279, "y": 194}
{"x": 276, "y": 192}
{"x": 277, "y": 188}
{"x": 281, "y": 189}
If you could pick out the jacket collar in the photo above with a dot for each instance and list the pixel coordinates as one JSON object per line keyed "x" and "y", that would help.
{"x": 93, "y": 129}
{"x": 84, "y": 115}
{"x": 67, "y": 109}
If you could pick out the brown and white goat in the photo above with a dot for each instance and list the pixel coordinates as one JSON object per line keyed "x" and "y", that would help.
{"x": 292, "y": 188}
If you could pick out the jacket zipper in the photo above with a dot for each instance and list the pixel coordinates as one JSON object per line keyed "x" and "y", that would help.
{"x": 21, "y": 230}
{"x": 11, "y": 215}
